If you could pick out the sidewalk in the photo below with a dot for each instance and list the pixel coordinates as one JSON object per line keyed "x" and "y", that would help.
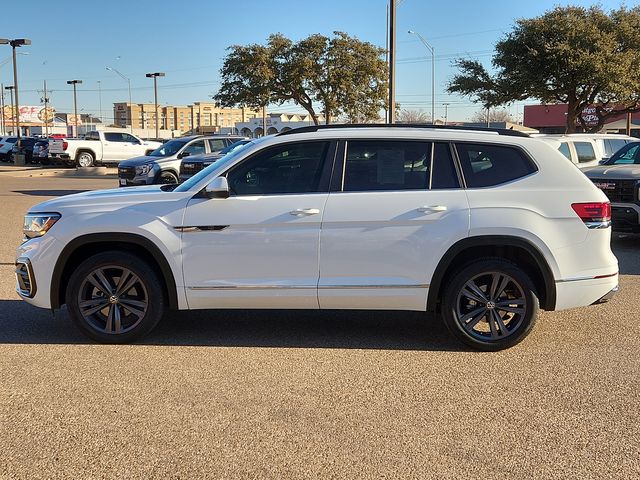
{"x": 56, "y": 171}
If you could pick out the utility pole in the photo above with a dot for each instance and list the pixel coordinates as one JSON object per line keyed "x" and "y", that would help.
{"x": 13, "y": 112}
{"x": 100, "y": 101}
{"x": 2, "y": 130}
{"x": 264, "y": 120}
{"x": 46, "y": 110}
{"x": 386, "y": 55}
{"x": 446, "y": 111}
{"x": 488, "y": 117}
{"x": 392, "y": 61}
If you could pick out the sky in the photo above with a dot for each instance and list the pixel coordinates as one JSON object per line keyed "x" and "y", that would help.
{"x": 188, "y": 40}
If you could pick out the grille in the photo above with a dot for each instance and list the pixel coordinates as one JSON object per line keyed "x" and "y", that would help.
{"x": 617, "y": 190}
{"x": 26, "y": 286}
{"x": 127, "y": 172}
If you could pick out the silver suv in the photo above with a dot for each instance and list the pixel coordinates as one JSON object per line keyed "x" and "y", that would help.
{"x": 163, "y": 164}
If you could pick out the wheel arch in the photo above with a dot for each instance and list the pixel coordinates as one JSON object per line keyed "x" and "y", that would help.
{"x": 81, "y": 247}
{"x": 83, "y": 150}
{"x": 522, "y": 252}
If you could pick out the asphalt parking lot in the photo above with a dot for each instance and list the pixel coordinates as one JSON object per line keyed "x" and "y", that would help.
{"x": 270, "y": 394}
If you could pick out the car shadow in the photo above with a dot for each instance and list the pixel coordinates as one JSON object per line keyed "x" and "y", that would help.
{"x": 626, "y": 248}
{"x": 21, "y": 323}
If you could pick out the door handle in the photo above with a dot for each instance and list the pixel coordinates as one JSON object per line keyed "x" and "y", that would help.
{"x": 432, "y": 208}
{"x": 301, "y": 212}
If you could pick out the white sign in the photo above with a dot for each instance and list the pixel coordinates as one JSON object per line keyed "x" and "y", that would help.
{"x": 30, "y": 113}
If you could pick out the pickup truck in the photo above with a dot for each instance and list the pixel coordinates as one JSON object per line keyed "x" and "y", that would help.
{"x": 99, "y": 147}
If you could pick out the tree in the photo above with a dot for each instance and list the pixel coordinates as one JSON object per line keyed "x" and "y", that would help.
{"x": 412, "y": 116}
{"x": 579, "y": 56}
{"x": 495, "y": 115}
{"x": 342, "y": 74}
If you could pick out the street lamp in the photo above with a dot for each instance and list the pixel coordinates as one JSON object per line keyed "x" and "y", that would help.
{"x": 18, "y": 42}
{"x": 433, "y": 73}
{"x": 155, "y": 93}
{"x": 130, "y": 112}
{"x": 75, "y": 103}
{"x": 13, "y": 119}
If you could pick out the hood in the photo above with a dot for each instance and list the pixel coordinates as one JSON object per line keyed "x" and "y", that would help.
{"x": 614, "y": 172}
{"x": 137, "y": 161}
{"x": 100, "y": 200}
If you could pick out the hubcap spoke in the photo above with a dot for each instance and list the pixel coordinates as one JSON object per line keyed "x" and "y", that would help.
{"x": 134, "y": 311}
{"x": 492, "y": 323}
{"x": 96, "y": 282}
{"x": 472, "y": 291}
{"x": 121, "y": 281}
{"x": 109, "y": 325}
{"x": 501, "y": 287}
{"x": 500, "y": 322}
{"x": 116, "y": 317}
{"x": 519, "y": 311}
{"x": 88, "y": 311}
{"x": 471, "y": 315}
{"x": 133, "y": 303}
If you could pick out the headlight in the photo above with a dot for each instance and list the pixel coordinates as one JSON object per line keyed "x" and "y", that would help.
{"x": 37, "y": 224}
{"x": 144, "y": 169}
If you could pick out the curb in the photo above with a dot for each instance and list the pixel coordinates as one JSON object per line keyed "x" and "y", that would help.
{"x": 92, "y": 172}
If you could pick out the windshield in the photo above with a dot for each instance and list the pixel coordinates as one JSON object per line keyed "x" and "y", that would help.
{"x": 230, "y": 157}
{"x": 629, "y": 154}
{"x": 169, "y": 148}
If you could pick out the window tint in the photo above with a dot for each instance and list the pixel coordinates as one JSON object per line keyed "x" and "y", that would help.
{"x": 629, "y": 155}
{"x": 484, "y": 165}
{"x": 612, "y": 145}
{"x": 114, "y": 137}
{"x": 129, "y": 138}
{"x": 585, "y": 151}
{"x": 216, "y": 144}
{"x": 443, "y": 174}
{"x": 93, "y": 136}
{"x": 386, "y": 165}
{"x": 564, "y": 149}
{"x": 195, "y": 148}
{"x": 291, "y": 168}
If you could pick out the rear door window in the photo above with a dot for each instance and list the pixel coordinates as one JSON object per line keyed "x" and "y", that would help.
{"x": 485, "y": 165}
{"x": 585, "y": 151}
{"x": 564, "y": 149}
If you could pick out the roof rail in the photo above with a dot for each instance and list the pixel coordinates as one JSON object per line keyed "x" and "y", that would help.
{"x": 426, "y": 126}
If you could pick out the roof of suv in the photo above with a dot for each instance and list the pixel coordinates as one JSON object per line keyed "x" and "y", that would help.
{"x": 406, "y": 127}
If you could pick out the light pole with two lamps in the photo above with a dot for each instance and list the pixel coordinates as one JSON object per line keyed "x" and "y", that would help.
{"x": 18, "y": 42}
{"x": 155, "y": 94}
{"x": 433, "y": 73}
{"x": 75, "y": 104}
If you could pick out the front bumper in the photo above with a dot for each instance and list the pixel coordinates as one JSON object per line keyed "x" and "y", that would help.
{"x": 127, "y": 177}
{"x": 625, "y": 217}
{"x": 25, "y": 278}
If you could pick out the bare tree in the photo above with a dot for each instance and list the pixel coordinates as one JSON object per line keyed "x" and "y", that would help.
{"x": 495, "y": 115}
{"x": 412, "y": 116}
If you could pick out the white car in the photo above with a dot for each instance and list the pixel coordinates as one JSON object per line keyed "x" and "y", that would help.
{"x": 586, "y": 150}
{"x": 485, "y": 227}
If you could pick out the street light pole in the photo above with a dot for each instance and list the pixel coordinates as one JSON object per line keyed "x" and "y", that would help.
{"x": 13, "y": 113}
{"x": 130, "y": 110}
{"x": 155, "y": 94}
{"x": 392, "y": 61}
{"x": 75, "y": 103}
{"x": 18, "y": 42}
{"x": 433, "y": 73}
{"x": 446, "y": 111}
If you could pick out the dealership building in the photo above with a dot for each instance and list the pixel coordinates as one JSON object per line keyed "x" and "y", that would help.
{"x": 552, "y": 118}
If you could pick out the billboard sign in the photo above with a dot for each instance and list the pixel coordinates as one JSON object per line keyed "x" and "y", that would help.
{"x": 30, "y": 114}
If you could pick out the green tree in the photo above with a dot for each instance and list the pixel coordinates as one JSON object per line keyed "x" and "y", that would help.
{"x": 573, "y": 55}
{"x": 341, "y": 75}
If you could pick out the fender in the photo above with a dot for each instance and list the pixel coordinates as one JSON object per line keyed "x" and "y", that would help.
{"x": 130, "y": 238}
{"x": 491, "y": 241}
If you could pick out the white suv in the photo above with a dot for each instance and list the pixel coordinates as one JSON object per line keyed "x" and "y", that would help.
{"x": 483, "y": 227}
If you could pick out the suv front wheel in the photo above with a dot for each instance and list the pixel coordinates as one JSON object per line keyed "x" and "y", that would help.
{"x": 490, "y": 304}
{"x": 115, "y": 297}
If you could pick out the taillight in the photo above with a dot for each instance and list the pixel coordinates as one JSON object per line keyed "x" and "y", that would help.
{"x": 594, "y": 215}
{"x": 65, "y": 145}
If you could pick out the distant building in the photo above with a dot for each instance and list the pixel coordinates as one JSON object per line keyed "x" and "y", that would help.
{"x": 276, "y": 123}
{"x": 552, "y": 118}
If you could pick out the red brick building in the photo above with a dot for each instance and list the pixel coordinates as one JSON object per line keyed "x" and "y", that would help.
{"x": 553, "y": 119}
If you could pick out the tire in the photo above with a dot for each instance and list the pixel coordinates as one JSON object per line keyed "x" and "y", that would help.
{"x": 487, "y": 320}
{"x": 166, "y": 178}
{"x": 126, "y": 315}
{"x": 85, "y": 159}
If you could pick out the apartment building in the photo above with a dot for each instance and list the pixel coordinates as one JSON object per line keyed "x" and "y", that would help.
{"x": 199, "y": 117}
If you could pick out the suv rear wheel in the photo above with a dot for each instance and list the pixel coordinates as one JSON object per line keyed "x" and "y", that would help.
{"x": 115, "y": 297}
{"x": 490, "y": 304}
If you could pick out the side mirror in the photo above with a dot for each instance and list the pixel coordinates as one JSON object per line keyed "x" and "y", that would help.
{"x": 184, "y": 154}
{"x": 603, "y": 161}
{"x": 217, "y": 188}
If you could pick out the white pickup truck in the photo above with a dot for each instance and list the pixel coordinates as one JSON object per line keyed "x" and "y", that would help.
{"x": 99, "y": 147}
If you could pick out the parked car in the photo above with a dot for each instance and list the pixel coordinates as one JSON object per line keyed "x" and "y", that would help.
{"x": 619, "y": 179}
{"x": 195, "y": 163}
{"x": 163, "y": 164}
{"x": 98, "y": 147}
{"x": 587, "y": 149}
{"x": 6, "y": 144}
{"x": 484, "y": 227}
{"x": 24, "y": 146}
{"x": 41, "y": 151}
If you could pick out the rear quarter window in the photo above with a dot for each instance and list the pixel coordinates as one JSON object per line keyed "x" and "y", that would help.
{"x": 485, "y": 165}
{"x": 585, "y": 151}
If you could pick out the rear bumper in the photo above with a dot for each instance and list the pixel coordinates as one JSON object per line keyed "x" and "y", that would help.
{"x": 583, "y": 292}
